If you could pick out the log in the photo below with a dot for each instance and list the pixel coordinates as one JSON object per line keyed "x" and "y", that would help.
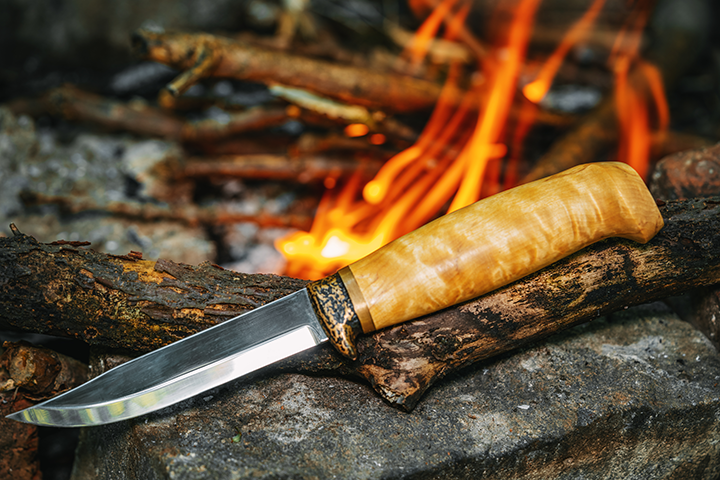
{"x": 124, "y": 302}
{"x": 141, "y": 305}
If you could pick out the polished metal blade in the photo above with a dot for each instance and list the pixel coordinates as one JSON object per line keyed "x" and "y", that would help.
{"x": 187, "y": 367}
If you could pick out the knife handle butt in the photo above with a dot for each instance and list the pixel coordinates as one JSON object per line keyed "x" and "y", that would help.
{"x": 498, "y": 240}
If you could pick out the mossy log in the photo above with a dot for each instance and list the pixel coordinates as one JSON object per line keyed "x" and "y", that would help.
{"x": 126, "y": 302}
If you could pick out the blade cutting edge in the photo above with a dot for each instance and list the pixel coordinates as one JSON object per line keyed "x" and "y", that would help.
{"x": 187, "y": 367}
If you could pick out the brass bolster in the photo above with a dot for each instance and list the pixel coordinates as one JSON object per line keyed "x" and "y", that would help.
{"x": 358, "y": 300}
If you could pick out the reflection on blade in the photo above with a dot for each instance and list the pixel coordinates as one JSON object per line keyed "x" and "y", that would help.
{"x": 187, "y": 367}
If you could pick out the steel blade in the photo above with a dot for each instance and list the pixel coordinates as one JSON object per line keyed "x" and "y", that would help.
{"x": 187, "y": 367}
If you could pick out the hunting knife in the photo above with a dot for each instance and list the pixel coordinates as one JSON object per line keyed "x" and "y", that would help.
{"x": 455, "y": 258}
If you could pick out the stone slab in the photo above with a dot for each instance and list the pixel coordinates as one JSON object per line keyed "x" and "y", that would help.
{"x": 632, "y": 396}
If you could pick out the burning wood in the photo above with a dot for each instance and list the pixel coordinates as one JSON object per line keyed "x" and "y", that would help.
{"x": 612, "y": 121}
{"x": 470, "y": 148}
{"x": 457, "y": 159}
{"x": 155, "y": 303}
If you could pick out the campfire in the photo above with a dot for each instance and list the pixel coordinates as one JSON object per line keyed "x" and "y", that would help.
{"x": 454, "y": 116}
{"x": 462, "y": 154}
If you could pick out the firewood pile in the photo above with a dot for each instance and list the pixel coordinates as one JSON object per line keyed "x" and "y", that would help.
{"x": 207, "y": 154}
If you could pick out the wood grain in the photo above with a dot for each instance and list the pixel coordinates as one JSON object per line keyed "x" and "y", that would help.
{"x": 503, "y": 238}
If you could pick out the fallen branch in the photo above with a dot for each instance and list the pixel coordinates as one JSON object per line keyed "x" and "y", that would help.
{"x": 202, "y": 55}
{"x": 142, "y": 305}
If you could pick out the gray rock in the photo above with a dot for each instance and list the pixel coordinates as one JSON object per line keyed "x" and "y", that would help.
{"x": 633, "y": 396}
{"x": 93, "y": 172}
{"x": 18, "y": 145}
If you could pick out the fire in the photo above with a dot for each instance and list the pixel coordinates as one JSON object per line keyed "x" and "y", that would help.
{"x": 536, "y": 90}
{"x": 458, "y": 157}
{"x": 635, "y": 89}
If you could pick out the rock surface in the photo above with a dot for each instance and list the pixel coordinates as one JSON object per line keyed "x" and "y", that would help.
{"x": 632, "y": 396}
{"x": 95, "y": 171}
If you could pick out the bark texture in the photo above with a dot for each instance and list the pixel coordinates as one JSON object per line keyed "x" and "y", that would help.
{"x": 121, "y": 301}
{"x": 124, "y": 302}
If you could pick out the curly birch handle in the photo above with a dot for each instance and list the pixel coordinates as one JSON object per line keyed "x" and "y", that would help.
{"x": 482, "y": 247}
{"x": 498, "y": 240}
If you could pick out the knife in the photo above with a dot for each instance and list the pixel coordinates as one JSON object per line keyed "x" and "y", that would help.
{"x": 455, "y": 258}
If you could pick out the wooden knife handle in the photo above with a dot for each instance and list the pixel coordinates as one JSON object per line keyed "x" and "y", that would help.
{"x": 484, "y": 246}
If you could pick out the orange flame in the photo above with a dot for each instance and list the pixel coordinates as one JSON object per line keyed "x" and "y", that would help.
{"x": 457, "y": 157}
{"x": 418, "y": 48}
{"x": 536, "y": 90}
{"x": 636, "y": 89}
{"x": 448, "y": 158}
